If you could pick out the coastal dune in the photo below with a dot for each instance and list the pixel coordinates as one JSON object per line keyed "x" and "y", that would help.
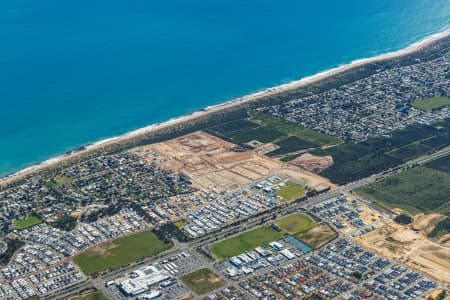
{"x": 293, "y": 85}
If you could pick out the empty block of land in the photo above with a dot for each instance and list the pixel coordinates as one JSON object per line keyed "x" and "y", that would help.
{"x": 296, "y": 223}
{"x": 213, "y": 163}
{"x": 414, "y": 190}
{"x": 120, "y": 252}
{"x": 291, "y": 191}
{"x": 203, "y": 281}
{"x": 306, "y": 229}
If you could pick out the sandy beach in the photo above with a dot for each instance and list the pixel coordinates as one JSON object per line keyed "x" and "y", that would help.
{"x": 227, "y": 105}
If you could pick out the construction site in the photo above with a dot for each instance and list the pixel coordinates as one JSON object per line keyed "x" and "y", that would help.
{"x": 215, "y": 164}
{"x": 410, "y": 245}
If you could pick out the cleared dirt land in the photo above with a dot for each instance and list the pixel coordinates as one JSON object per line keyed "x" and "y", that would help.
{"x": 203, "y": 281}
{"x": 213, "y": 163}
{"x": 409, "y": 244}
{"x": 313, "y": 163}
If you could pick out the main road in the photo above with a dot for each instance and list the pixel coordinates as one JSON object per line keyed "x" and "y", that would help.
{"x": 246, "y": 224}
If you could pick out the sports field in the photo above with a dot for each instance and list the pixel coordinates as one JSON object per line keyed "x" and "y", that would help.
{"x": 245, "y": 241}
{"x": 203, "y": 281}
{"x": 291, "y": 191}
{"x": 296, "y": 223}
{"x": 428, "y": 104}
{"x": 120, "y": 252}
{"x": 28, "y": 222}
{"x": 306, "y": 229}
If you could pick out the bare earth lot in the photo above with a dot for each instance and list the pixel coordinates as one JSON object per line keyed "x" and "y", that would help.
{"x": 213, "y": 163}
{"x": 410, "y": 246}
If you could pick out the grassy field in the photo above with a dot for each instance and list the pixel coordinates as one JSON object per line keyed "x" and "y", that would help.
{"x": 317, "y": 236}
{"x": 181, "y": 223}
{"x": 306, "y": 229}
{"x": 291, "y": 191}
{"x": 245, "y": 241}
{"x": 98, "y": 295}
{"x": 28, "y": 222}
{"x": 429, "y": 104}
{"x": 414, "y": 190}
{"x": 120, "y": 252}
{"x": 296, "y": 223}
{"x": 203, "y": 281}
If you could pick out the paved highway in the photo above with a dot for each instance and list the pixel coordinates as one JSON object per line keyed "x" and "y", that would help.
{"x": 254, "y": 221}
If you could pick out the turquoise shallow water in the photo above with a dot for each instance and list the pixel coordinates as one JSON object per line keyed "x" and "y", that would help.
{"x": 79, "y": 71}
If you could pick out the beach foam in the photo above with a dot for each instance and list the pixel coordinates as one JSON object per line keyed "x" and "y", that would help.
{"x": 228, "y": 104}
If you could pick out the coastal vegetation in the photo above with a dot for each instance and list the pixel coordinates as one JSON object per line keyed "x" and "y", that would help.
{"x": 120, "y": 252}
{"x": 441, "y": 228}
{"x": 431, "y": 103}
{"x": 12, "y": 246}
{"x": 410, "y": 151}
{"x": 245, "y": 241}
{"x": 263, "y": 128}
{"x": 291, "y": 144}
{"x": 66, "y": 223}
{"x": 353, "y": 161}
{"x": 403, "y": 219}
{"x": 415, "y": 190}
{"x": 291, "y": 129}
{"x": 231, "y": 114}
{"x": 171, "y": 230}
{"x": 442, "y": 164}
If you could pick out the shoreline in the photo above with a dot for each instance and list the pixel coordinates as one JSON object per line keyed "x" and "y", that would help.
{"x": 289, "y": 86}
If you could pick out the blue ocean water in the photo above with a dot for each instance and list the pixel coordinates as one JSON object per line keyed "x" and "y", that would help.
{"x": 73, "y": 72}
